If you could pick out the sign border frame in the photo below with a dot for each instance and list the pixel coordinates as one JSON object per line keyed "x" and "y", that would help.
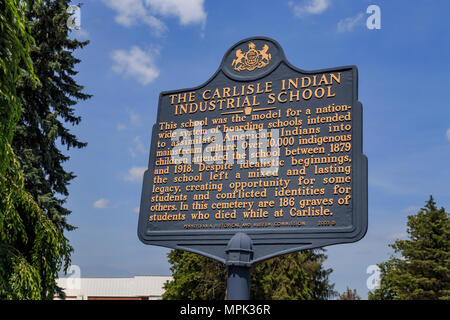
{"x": 293, "y": 239}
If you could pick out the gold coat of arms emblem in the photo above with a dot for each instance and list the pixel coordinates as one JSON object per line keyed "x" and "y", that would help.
{"x": 252, "y": 59}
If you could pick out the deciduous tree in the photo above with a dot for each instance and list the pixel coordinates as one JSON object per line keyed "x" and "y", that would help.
{"x": 295, "y": 276}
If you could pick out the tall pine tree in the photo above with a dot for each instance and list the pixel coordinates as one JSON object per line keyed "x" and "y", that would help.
{"x": 421, "y": 269}
{"x": 31, "y": 245}
{"x": 48, "y": 108}
{"x": 295, "y": 276}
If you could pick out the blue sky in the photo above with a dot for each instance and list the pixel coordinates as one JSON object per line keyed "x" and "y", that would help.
{"x": 142, "y": 47}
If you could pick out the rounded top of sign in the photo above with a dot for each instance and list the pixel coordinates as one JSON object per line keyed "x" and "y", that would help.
{"x": 252, "y": 58}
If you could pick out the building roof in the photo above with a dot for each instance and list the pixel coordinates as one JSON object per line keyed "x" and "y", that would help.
{"x": 149, "y": 286}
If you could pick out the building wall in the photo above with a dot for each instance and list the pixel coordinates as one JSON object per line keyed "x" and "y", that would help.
{"x": 135, "y": 288}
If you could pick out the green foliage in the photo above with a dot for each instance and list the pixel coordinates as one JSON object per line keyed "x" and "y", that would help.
{"x": 195, "y": 277}
{"x": 299, "y": 275}
{"x": 32, "y": 244}
{"x": 423, "y": 269}
{"x": 15, "y": 43}
{"x": 294, "y": 276}
{"x": 349, "y": 294}
{"x": 47, "y": 108}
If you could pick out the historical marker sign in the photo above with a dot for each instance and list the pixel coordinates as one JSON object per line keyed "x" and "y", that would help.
{"x": 262, "y": 148}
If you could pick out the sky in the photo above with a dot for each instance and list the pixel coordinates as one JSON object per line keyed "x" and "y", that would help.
{"x": 139, "y": 48}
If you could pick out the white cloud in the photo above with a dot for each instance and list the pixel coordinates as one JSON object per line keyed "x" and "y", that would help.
{"x": 132, "y": 12}
{"x": 136, "y": 209}
{"x": 136, "y": 63}
{"x": 187, "y": 11}
{"x": 348, "y": 24}
{"x": 128, "y": 11}
{"x": 121, "y": 127}
{"x": 392, "y": 184}
{"x": 411, "y": 209}
{"x": 101, "y": 203}
{"x": 134, "y": 120}
{"x": 309, "y": 7}
{"x": 135, "y": 174}
{"x": 397, "y": 236}
{"x": 448, "y": 133}
{"x": 80, "y": 34}
{"x": 137, "y": 148}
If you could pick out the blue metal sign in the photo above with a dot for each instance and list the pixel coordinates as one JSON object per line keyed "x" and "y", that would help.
{"x": 263, "y": 152}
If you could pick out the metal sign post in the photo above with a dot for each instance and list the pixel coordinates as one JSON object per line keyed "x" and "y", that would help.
{"x": 261, "y": 160}
{"x": 238, "y": 284}
{"x": 239, "y": 253}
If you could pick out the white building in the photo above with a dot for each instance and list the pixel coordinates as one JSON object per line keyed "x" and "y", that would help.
{"x": 135, "y": 288}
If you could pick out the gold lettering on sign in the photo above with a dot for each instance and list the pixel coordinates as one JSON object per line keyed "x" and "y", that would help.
{"x": 309, "y": 185}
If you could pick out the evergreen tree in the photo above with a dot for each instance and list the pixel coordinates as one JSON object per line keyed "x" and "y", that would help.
{"x": 295, "y": 276}
{"x": 47, "y": 108}
{"x": 299, "y": 275}
{"x": 30, "y": 244}
{"x": 422, "y": 271}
